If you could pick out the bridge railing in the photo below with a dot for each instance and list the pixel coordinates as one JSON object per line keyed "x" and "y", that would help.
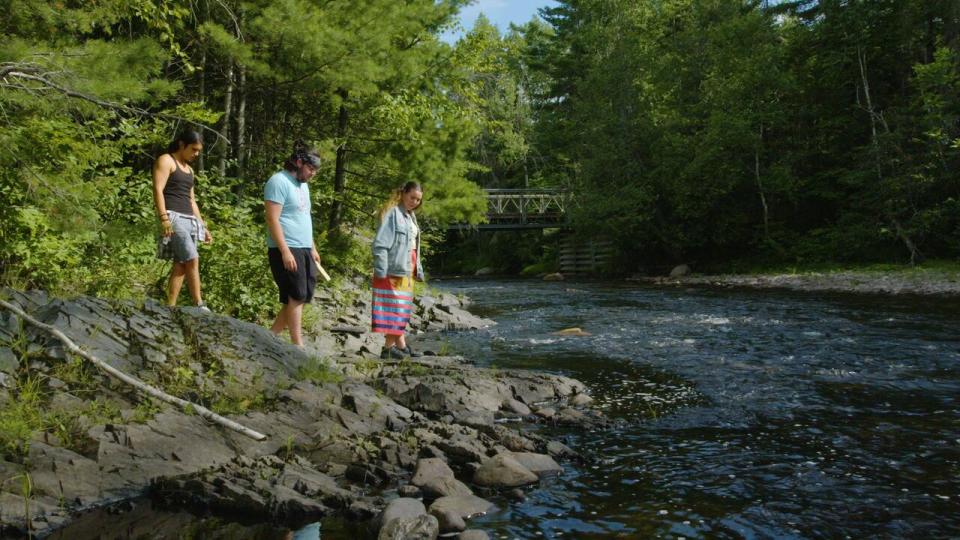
{"x": 527, "y": 207}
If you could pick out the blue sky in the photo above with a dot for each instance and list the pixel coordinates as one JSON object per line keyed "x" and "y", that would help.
{"x": 500, "y": 12}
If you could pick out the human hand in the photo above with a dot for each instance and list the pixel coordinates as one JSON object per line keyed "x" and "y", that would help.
{"x": 208, "y": 238}
{"x": 166, "y": 228}
{"x": 289, "y": 262}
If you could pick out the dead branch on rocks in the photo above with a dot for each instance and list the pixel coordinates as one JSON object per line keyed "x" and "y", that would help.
{"x": 133, "y": 381}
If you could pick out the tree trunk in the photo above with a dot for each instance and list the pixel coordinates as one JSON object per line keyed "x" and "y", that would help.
{"x": 875, "y": 141}
{"x": 227, "y": 108}
{"x": 339, "y": 175}
{"x": 242, "y": 121}
{"x": 241, "y": 146}
{"x": 203, "y": 91}
{"x": 763, "y": 197}
{"x": 952, "y": 26}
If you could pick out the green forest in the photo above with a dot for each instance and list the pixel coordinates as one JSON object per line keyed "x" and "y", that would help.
{"x": 704, "y": 131}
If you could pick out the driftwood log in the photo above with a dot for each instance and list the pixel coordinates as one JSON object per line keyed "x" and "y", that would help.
{"x": 131, "y": 380}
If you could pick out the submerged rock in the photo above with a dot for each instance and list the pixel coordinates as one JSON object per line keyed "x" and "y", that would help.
{"x": 572, "y": 332}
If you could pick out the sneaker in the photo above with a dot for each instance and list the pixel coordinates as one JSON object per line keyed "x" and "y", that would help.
{"x": 202, "y": 306}
{"x": 410, "y": 352}
{"x": 392, "y": 352}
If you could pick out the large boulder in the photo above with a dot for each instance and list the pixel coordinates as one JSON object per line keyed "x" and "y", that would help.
{"x": 402, "y": 508}
{"x": 539, "y": 464}
{"x": 436, "y": 479}
{"x": 449, "y": 520}
{"x": 503, "y": 470}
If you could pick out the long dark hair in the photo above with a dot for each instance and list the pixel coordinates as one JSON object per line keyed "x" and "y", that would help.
{"x": 185, "y": 138}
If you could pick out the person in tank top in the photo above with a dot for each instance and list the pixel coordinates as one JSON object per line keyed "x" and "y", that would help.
{"x": 181, "y": 226}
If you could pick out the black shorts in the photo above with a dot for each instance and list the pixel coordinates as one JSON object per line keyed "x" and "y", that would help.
{"x": 298, "y": 285}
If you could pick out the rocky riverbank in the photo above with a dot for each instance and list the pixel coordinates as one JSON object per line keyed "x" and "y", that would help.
{"x": 922, "y": 283}
{"x": 341, "y": 425}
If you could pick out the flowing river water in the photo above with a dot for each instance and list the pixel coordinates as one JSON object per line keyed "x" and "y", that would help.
{"x": 736, "y": 414}
{"x": 739, "y": 414}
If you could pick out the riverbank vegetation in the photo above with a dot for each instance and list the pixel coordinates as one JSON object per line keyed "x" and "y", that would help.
{"x": 756, "y": 133}
{"x": 776, "y": 133}
{"x": 91, "y": 93}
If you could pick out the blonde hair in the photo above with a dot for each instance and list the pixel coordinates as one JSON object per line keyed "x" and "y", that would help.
{"x": 396, "y": 196}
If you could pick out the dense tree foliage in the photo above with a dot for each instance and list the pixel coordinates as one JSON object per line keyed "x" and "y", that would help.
{"x": 712, "y": 130}
{"x": 703, "y": 131}
{"x": 91, "y": 92}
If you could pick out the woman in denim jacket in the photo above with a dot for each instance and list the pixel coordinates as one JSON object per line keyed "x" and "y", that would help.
{"x": 396, "y": 264}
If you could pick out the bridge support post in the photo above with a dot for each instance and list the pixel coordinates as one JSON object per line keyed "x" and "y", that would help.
{"x": 580, "y": 256}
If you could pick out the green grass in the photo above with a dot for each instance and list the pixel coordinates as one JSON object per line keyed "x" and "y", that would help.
{"x": 21, "y": 417}
{"x": 318, "y": 370}
{"x": 145, "y": 411}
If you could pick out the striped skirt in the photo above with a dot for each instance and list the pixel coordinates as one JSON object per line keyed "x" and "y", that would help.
{"x": 392, "y": 304}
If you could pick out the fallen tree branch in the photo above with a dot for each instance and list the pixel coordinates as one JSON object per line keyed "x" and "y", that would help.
{"x": 133, "y": 381}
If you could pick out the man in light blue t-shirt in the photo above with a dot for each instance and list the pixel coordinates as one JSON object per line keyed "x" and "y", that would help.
{"x": 290, "y": 247}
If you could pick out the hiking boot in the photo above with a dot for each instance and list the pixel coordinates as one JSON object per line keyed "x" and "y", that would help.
{"x": 410, "y": 352}
{"x": 392, "y": 352}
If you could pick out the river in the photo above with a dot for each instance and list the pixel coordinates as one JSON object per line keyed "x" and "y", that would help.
{"x": 739, "y": 414}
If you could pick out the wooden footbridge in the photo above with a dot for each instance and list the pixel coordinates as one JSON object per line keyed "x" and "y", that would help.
{"x": 520, "y": 209}
{"x": 524, "y": 209}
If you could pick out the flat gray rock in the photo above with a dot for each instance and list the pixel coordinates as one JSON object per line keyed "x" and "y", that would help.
{"x": 466, "y": 506}
{"x": 516, "y": 406}
{"x": 443, "y": 487}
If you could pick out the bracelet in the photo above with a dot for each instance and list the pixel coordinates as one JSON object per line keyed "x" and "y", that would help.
{"x": 164, "y": 218}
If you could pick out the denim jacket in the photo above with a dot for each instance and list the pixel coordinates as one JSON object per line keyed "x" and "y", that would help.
{"x": 391, "y": 256}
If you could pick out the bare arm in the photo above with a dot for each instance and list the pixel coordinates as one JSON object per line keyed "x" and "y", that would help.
{"x": 161, "y": 173}
{"x": 272, "y": 211}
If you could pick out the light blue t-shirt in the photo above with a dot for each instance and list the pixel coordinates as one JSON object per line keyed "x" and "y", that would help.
{"x": 284, "y": 189}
